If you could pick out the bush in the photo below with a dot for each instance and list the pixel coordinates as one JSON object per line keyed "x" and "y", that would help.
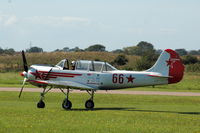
{"x": 96, "y": 47}
{"x": 147, "y": 61}
{"x": 143, "y": 64}
{"x": 181, "y": 52}
{"x": 9, "y": 51}
{"x": 189, "y": 59}
{"x": 193, "y": 68}
{"x": 34, "y": 50}
{"x": 141, "y": 49}
{"x": 120, "y": 60}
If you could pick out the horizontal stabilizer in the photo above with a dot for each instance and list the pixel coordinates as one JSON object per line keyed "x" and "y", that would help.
{"x": 160, "y": 76}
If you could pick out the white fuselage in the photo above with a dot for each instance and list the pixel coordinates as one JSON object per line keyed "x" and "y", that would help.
{"x": 105, "y": 80}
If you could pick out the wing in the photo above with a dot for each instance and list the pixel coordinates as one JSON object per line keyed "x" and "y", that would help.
{"x": 63, "y": 84}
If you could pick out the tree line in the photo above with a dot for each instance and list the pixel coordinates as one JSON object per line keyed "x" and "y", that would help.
{"x": 140, "y": 49}
{"x": 145, "y": 52}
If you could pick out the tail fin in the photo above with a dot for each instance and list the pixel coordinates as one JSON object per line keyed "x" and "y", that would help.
{"x": 169, "y": 65}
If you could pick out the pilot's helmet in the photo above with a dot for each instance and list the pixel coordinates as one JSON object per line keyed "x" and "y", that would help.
{"x": 73, "y": 63}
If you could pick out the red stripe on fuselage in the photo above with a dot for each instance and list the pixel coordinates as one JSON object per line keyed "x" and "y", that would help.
{"x": 46, "y": 74}
{"x": 72, "y": 74}
{"x": 58, "y": 75}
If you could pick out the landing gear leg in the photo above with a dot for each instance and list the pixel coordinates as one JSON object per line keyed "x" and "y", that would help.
{"x": 41, "y": 103}
{"x": 89, "y": 104}
{"x": 66, "y": 103}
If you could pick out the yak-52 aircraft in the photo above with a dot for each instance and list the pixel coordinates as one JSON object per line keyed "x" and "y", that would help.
{"x": 96, "y": 75}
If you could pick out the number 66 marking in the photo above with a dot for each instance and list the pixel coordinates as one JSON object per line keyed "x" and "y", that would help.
{"x": 118, "y": 78}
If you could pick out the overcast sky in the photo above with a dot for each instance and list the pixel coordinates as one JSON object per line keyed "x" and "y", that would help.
{"x": 54, "y": 24}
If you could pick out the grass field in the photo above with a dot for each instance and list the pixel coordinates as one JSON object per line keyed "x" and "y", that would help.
{"x": 190, "y": 83}
{"x": 113, "y": 114}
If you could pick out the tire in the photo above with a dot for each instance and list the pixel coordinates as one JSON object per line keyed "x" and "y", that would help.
{"x": 66, "y": 104}
{"x": 40, "y": 104}
{"x": 89, "y": 104}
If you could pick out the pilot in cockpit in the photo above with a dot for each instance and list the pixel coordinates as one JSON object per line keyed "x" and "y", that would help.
{"x": 73, "y": 65}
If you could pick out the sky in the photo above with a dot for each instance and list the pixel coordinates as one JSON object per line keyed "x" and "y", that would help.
{"x": 116, "y": 24}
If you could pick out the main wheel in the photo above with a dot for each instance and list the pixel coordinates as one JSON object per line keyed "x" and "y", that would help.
{"x": 89, "y": 104}
{"x": 40, "y": 104}
{"x": 66, "y": 104}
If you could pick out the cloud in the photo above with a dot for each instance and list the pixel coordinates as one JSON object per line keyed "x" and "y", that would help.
{"x": 168, "y": 30}
{"x": 7, "y": 20}
{"x": 10, "y": 20}
{"x": 56, "y": 21}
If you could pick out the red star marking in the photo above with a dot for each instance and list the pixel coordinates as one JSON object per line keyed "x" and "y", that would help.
{"x": 130, "y": 79}
{"x": 171, "y": 61}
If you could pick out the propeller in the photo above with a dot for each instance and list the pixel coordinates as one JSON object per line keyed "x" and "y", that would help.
{"x": 24, "y": 73}
{"x": 24, "y": 62}
{"x": 22, "y": 87}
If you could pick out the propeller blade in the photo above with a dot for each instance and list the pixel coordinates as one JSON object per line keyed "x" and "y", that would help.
{"x": 24, "y": 61}
{"x": 22, "y": 87}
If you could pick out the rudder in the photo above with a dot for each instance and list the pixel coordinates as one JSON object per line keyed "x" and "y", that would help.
{"x": 169, "y": 64}
{"x": 176, "y": 67}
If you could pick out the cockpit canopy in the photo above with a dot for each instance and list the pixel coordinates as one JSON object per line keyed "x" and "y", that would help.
{"x": 93, "y": 66}
{"x": 86, "y": 65}
{"x": 63, "y": 64}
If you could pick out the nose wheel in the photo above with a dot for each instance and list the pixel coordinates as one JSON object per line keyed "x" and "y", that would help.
{"x": 41, "y": 104}
{"x": 67, "y": 104}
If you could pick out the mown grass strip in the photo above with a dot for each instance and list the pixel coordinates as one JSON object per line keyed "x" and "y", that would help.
{"x": 113, "y": 113}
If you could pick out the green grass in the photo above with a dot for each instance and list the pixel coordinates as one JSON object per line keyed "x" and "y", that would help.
{"x": 113, "y": 113}
{"x": 12, "y": 79}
